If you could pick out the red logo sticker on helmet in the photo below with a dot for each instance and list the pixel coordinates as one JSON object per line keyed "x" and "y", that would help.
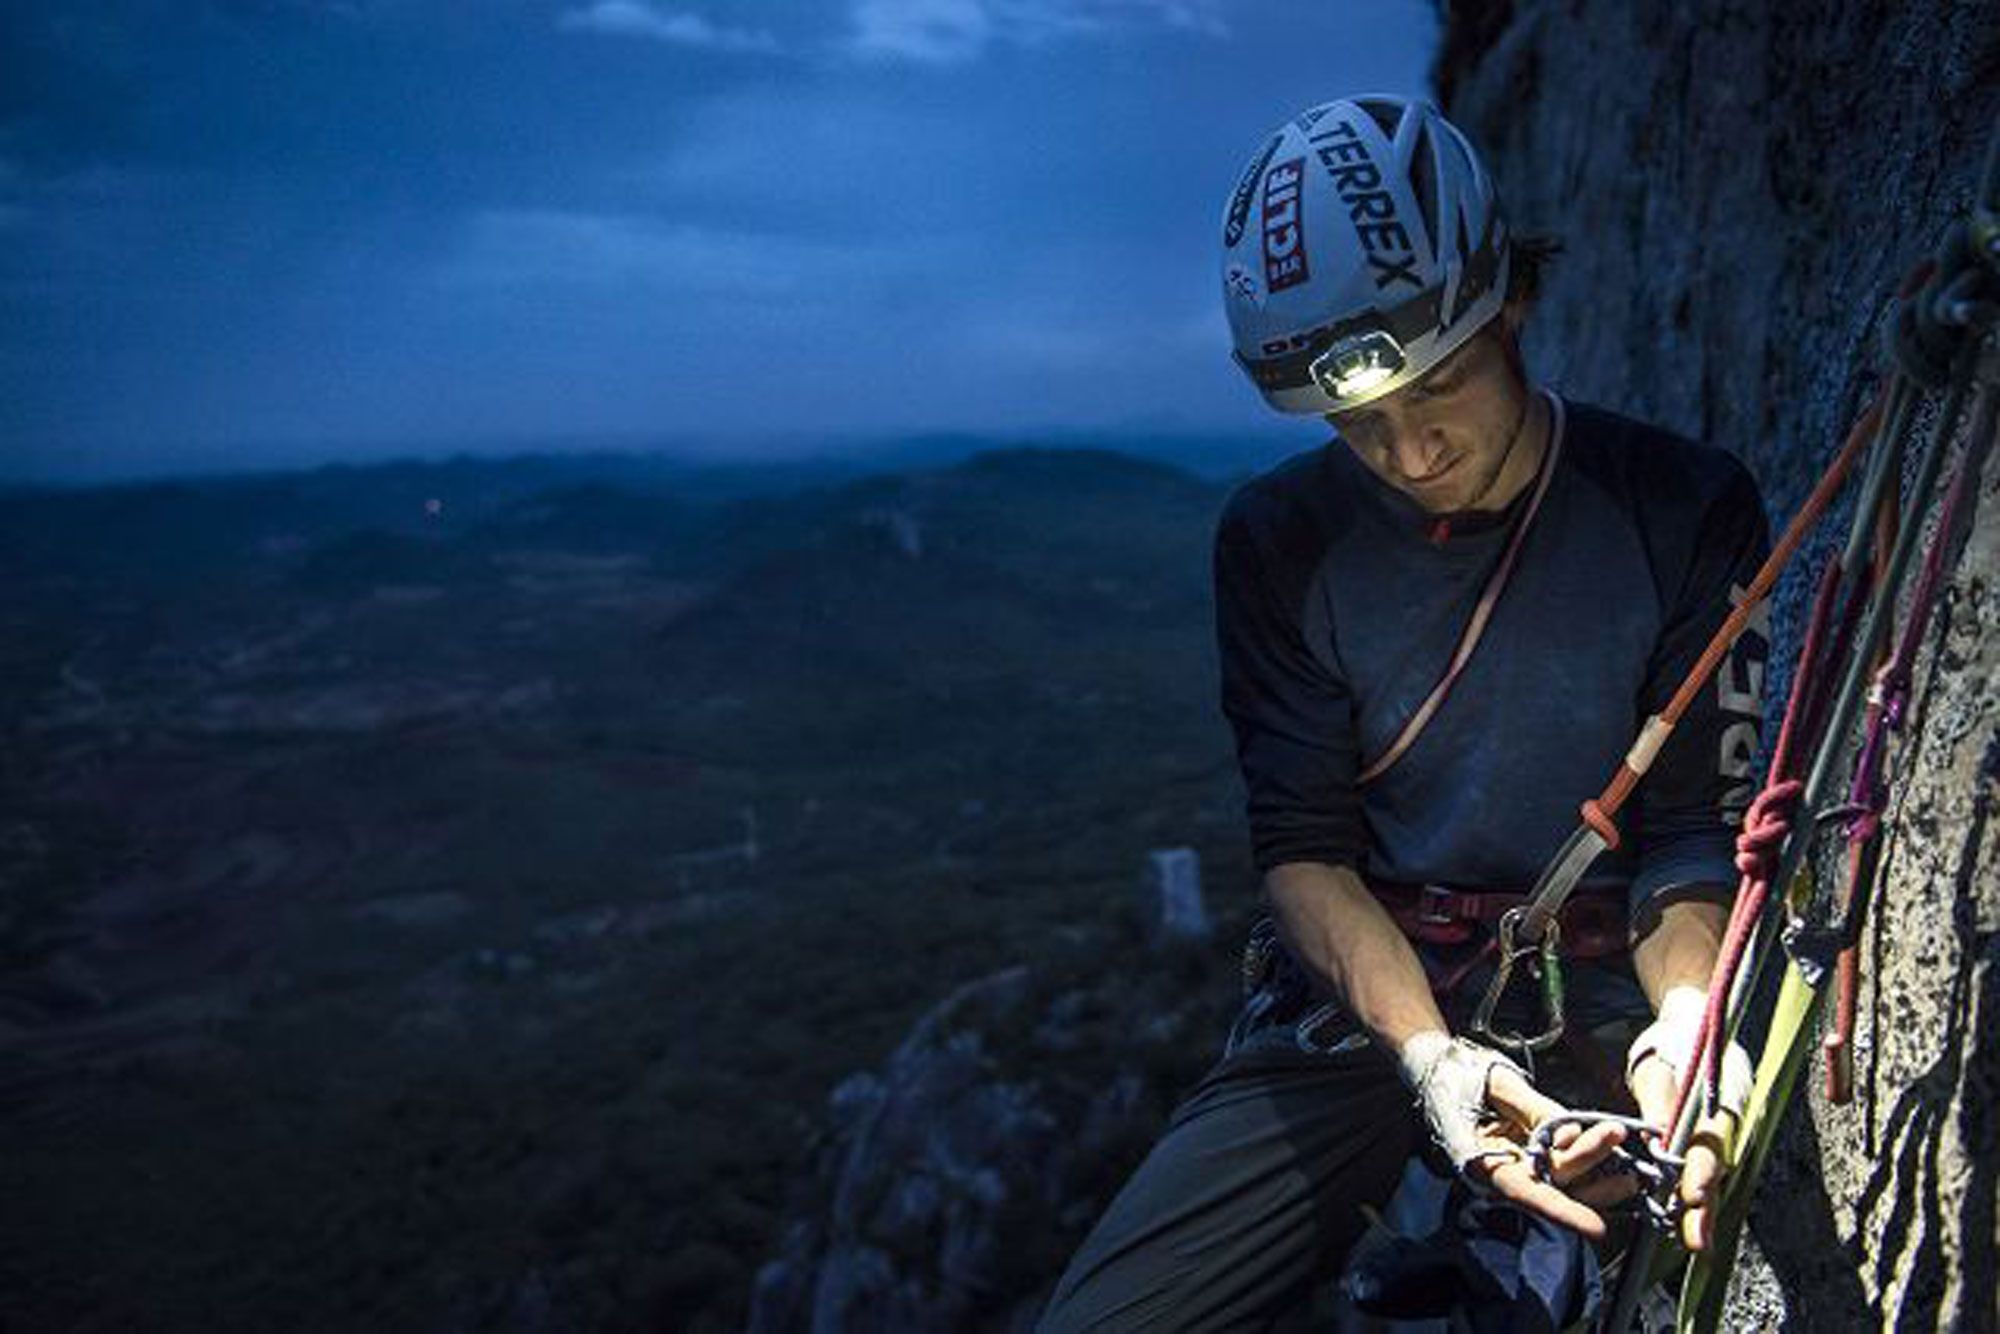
{"x": 1284, "y": 240}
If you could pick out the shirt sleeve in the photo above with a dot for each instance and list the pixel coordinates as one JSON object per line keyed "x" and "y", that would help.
{"x": 1292, "y": 717}
{"x": 1687, "y": 811}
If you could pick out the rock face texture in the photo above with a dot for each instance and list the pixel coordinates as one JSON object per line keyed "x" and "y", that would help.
{"x": 949, "y": 1188}
{"x": 1740, "y": 187}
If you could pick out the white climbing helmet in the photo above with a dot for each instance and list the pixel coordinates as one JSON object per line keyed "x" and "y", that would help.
{"x": 1362, "y": 246}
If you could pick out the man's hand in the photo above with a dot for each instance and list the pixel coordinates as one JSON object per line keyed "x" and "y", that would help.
{"x": 1481, "y": 1109}
{"x": 1656, "y": 1066}
{"x": 1574, "y": 1193}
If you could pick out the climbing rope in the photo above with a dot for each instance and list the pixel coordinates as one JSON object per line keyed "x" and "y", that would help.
{"x": 1482, "y": 610}
{"x": 1939, "y": 337}
{"x": 1815, "y": 950}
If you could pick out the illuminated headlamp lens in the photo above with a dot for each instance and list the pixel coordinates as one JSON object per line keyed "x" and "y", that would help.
{"x": 1357, "y": 364}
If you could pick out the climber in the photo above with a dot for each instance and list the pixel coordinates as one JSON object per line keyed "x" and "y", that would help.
{"x": 1436, "y": 633}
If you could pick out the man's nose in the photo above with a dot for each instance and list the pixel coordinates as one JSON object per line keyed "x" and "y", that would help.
{"x": 1415, "y": 451}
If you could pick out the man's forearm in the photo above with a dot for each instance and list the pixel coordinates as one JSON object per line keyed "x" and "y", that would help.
{"x": 1680, "y": 950}
{"x": 1346, "y": 939}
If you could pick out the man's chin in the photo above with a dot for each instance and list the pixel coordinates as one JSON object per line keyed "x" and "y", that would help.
{"x": 1436, "y": 502}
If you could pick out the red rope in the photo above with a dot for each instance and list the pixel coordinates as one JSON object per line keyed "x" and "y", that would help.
{"x": 1765, "y": 826}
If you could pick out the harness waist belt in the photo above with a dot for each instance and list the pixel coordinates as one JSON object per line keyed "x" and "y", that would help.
{"x": 1592, "y": 925}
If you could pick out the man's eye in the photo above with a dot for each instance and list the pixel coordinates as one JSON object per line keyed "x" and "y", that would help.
{"x": 1369, "y": 435}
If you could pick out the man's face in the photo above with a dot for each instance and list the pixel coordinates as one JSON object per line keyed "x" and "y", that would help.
{"x": 1442, "y": 438}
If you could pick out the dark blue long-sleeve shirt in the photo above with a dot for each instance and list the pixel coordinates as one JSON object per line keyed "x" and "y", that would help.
{"x": 1336, "y": 613}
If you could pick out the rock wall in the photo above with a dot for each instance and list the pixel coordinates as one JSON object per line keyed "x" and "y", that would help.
{"x": 1739, "y": 187}
{"x": 948, "y": 1189}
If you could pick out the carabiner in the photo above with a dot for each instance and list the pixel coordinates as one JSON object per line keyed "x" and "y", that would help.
{"x": 1544, "y": 958}
{"x": 1642, "y": 1155}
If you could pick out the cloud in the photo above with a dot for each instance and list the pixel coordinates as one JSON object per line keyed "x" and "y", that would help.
{"x": 636, "y": 18}
{"x": 932, "y": 31}
{"x": 625, "y": 253}
{"x": 951, "y": 31}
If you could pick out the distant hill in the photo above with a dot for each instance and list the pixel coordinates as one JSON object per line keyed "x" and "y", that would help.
{"x": 428, "y": 888}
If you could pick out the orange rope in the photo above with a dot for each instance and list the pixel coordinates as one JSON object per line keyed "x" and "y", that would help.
{"x": 1603, "y": 812}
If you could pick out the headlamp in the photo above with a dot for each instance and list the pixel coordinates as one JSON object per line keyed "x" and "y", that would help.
{"x": 1357, "y": 363}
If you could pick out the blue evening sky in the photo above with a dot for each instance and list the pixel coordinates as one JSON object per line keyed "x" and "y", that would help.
{"x": 275, "y": 232}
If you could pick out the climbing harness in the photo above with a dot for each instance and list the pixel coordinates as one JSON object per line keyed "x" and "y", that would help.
{"x": 1593, "y": 924}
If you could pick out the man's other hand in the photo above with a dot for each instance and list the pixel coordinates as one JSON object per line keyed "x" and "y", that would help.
{"x": 1656, "y": 1066}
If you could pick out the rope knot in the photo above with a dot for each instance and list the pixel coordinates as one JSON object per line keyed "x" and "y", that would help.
{"x": 1765, "y": 826}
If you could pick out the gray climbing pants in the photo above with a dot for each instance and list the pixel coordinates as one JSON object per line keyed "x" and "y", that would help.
{"x": 1249, "y": 1200}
